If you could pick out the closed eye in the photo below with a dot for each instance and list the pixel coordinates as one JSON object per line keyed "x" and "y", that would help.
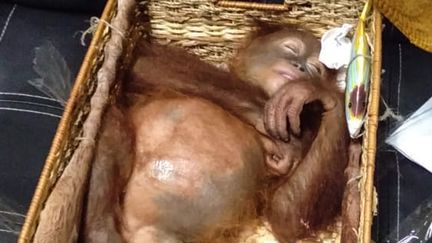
{"x": 313, "y": 69}
{"x": 291, "y": 49}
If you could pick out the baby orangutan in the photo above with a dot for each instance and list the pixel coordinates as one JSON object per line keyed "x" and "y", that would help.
{"x": 284, "y": 62}
{"x": 188, "y": 149}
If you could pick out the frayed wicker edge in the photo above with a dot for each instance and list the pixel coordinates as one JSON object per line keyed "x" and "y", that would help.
{"x": 368, "y": 199}
{"x": 415, "y": 36}
{"x": 255, "y": 6}
{"x": 105, "y": 77}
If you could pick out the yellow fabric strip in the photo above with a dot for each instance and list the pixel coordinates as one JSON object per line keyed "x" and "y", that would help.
{"x": 412, "y": 17}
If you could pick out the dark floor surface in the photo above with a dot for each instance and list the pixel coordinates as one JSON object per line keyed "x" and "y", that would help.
{"x": 28, "y": 119}
{"x": 401, "y": 184}
{"x": 26, "y": 130}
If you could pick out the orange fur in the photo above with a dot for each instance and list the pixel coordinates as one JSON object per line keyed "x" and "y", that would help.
{"x": 187, "y": 112}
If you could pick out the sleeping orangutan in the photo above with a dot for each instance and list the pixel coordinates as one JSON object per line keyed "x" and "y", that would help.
{"x": 188, "y": 150}
{"x": 311, "y": 196}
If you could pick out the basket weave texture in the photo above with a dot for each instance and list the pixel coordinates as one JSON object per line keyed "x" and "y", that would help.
{"x": 213, "y": 32}
{"x": 207, "y": 28}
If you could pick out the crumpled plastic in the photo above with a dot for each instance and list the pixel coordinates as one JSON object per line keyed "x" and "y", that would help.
{"x": 413, "y": 138}
{"x": 416, "y": 227}
{"x": 336, "y": 47}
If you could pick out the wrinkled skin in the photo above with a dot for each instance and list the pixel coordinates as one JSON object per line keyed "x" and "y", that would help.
{"x": 273, "y": 58}
{"x": 201, "y": 138}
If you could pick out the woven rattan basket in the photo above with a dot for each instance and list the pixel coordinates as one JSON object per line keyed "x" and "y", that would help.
{"x": 211, "y": 29}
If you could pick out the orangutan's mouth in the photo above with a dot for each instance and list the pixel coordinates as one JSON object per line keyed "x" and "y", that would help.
{"x": 288, "y": 75}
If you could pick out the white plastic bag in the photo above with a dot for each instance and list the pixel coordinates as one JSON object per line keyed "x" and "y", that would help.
{"x": 414, "y": 137}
